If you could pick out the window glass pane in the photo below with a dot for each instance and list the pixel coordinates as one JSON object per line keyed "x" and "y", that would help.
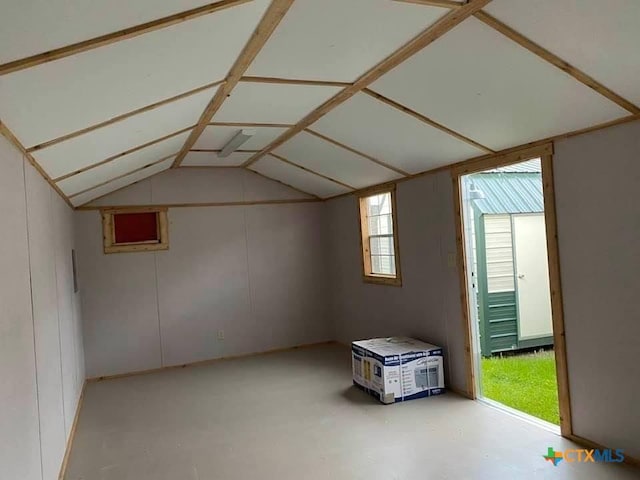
{"x": 383, "y": 264}
{"x": 379, "y": 204}
{"x": 381, "y": 225}
{"x": 381, "y": 245}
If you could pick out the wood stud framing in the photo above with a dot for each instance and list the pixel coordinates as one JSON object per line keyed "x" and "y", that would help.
{"x": 554, "y": 60}
{"x": 293, "y": 164}
{"x": 271, "y": 19}
{"x": 428, "y": 36}
{"x": 118, "y": 36}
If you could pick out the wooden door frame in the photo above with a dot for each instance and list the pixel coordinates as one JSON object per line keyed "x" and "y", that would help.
{"x": 545, "y": 153}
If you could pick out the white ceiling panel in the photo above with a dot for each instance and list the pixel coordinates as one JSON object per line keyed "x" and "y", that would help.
{"x": 296, "y": 177}
{"x": 43, "y": 25}
{"x": 334, "y": 162}
{"x": 483, "y": 85}
{"x": 119, "y": 137}
{"x": 216, "y": 137}
{"x": 211, "y": 159}
{"x": 392, "y": 136}
{"x": 94, "y": 176}
{"x": 600, "y": 38}
{"x": 56, "y": 98}
{"x": 121, "y": 183}
{"x": 151, "y": 153}
{"x": 272, "y": 103}
{"x": 340, "y": 40}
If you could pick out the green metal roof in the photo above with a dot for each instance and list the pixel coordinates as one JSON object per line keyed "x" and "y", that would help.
{"x": 509, "y": 192}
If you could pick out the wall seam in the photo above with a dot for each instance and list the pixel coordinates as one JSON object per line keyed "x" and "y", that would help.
{"x": 155, "y": 267}
{"x": 246, "y": 244}
{"x": 33, "y": 321}
{"x": 55, "y": 270}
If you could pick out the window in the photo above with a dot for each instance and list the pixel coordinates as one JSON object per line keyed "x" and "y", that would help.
{"x": 379, "y": 230}
{"x": 127, "y": 230}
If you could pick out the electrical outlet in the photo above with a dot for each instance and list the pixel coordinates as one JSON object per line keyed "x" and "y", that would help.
{"x": 220, "y": 335}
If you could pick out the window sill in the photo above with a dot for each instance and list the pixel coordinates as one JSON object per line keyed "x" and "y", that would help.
{"x": 382, "y": 280}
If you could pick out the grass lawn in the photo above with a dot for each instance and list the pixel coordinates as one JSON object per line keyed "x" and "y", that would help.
{"x": 525, "y": 382}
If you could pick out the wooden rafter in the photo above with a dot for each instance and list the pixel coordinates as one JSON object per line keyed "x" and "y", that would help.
{"x": 425, "y": 119}
{"x": 122, "y": 154}
{"x": 77, "y": 133}
{"x": 434, "y": 3}
{"x": 357, "y": 152}
{"x": 254, "y": 124}
{"x": 283, "y": 183}
{"x": 555, "y": 60}
{"x": 106, "y": 182}
{"x": 428, "y": 36}
{"x": 201, "y": 204}
{"x": 118, "y": 36}
{"x": 293, "y": 81}
{"x": 271, "y": 19}
{"x": 293, "y": 164}
{"x": 217, "y": 150}
{"x": 5, "y": 132}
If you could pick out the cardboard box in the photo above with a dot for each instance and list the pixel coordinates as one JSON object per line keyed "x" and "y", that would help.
{"x": 397, "y": 369}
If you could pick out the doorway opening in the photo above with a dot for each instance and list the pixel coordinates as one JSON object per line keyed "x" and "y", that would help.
{"x": 509, "y": 291}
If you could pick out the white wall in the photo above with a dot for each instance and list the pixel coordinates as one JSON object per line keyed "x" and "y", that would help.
{"x": 41, "y": 351}
{"x": 255, "y": 272}
{"x": 427, "y": 306}
{"x": 597, "y": 177}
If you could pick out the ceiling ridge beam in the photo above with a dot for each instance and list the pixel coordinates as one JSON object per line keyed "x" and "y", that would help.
{"x": 293, "y": 164}
{"x": 267, "y": 25}
{"x": 8, "y": 134}
{"x": 282, "y": 183}
{"x": 434, "y": 3}
{"x": 356, "y": 152}
{"x": 422, "y": 40}
{"x": 250, "y": 124}
{"x": 119, "y": 118}
{"x": 106, "y": 182}
{"x": 118, "y": 36}
{"x": 119, "y": 155}
{"x": 294, "y": 81}
{"x": 426, "y": 119}
{"x": 553, "y": 59}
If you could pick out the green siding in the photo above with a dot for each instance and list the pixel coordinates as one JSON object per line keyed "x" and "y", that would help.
{"x": 502, "y": 318}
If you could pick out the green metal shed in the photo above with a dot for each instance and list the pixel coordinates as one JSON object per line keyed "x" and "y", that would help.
{"x": 508, "y": 217}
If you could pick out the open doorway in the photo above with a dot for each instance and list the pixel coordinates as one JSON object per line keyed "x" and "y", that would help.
{"x": 512, "y": 289}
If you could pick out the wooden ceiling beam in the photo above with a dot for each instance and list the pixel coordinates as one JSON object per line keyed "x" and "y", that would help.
{"x": 556, "y": 61}
{"x": 293, "y": 81}
{"x": 357, "y": 152}
{"x": 269, "y": 22}
{"x": 282, "y": 183}
{"x": 293, "y": 164}
{"x": 434, "y": 3}
{"x": 119, "y": 118}
{"x": 249, "y": 124}
{"x": 8, "y": 134}
{"x": 425, "y": 38}
{"x": 425, "y": 119}
{"x": 102, "y": 184}
{"x": 217, "y": 150}
{"x": 120, "y": 155}
{"x": 118, "y": 36}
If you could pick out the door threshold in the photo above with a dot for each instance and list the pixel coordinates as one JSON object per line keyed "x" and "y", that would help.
{"x": 520, "y": 415}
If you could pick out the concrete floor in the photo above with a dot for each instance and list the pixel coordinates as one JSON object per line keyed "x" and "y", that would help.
{"x": 295, "y": 415}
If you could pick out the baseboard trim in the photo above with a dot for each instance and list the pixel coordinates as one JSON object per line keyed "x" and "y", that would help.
{"x": 584, "y": 442}
{"x": 208, "y": 362}
{"x": 72, "y": 435}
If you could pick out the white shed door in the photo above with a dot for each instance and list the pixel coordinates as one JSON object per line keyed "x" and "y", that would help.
{"x": 532, "y": 273}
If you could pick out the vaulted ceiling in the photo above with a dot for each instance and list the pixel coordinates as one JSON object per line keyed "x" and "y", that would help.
{"x": 342, "y": 94}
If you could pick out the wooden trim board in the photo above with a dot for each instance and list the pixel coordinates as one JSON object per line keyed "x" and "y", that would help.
{"x": 293, "y": 81}
{"x": 293, "y": 164}
{"x": 109, "y": 237}
{"x": 210, "y": 361}
{"x": 546, "y": 55}
{"x": 153, "y": 106}
{"x": 5, "y": 132}
{"x": 142, "y": 207}
{"x": 269, "y": 22}
{"x": 433, "y": 3}
{"x": 72, "y": 434}
{"x": 425, "y": 119}
{"x": 555, "y": 283}
{"x": 425, "y": 38}
{"x": 118, "y": 36}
